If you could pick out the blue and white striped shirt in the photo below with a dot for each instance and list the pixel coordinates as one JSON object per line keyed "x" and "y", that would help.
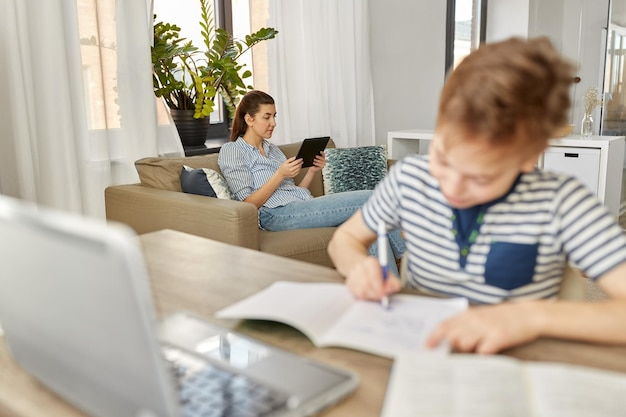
{"x": 246, "y": 170}
{"x": 522, "y": 247}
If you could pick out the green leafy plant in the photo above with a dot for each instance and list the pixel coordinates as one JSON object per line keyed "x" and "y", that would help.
{"x": 189, "y": 78}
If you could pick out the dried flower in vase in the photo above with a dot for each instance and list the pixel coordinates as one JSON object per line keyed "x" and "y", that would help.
{"x": 592, "y": 100}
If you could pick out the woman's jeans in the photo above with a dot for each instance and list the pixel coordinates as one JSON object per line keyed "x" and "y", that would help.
{"x": 326, "y": 211}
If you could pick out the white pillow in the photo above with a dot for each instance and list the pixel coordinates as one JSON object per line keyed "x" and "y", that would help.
{"x": 217, "y": 182}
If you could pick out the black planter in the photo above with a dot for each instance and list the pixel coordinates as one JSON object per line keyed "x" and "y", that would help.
{"x": 192, "y": 132}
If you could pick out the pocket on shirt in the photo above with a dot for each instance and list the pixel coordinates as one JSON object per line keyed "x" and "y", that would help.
{"x": 511, "y": 265}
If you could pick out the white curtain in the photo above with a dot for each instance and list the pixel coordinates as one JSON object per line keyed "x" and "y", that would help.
{"x": 319, "y": 71}
{"x": 77, "y": 102}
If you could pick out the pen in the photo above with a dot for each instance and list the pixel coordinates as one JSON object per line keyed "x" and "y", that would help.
{"x": 383, "y": 258}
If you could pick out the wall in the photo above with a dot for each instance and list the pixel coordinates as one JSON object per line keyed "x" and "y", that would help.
{"x": 506, "y": 18}
{"x": 407, "y": 41}
{"x": 576, "y": 27}
{"x": 407, "y": 56}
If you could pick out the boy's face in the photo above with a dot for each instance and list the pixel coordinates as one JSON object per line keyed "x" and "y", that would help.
{"x": 473, "y": 172}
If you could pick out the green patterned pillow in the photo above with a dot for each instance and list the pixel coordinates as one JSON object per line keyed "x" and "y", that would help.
{"x": 350, "y": 169}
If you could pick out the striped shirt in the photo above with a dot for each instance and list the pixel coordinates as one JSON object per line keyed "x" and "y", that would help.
{"x": 524, "y": 242}
{"x": 246, "y": 170}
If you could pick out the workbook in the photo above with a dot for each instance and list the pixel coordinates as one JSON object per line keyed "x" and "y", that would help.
{"x": 329, "y": 315}
{"x": 496, "y": 386}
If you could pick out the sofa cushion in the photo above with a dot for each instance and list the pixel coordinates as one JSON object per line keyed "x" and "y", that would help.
{"x": 358, "y": 168}
{"x": 194, "y": 181}
{"x": 309, "y": 245}
{"x": 164, "y": 172}
{"x": 217, "y": 183}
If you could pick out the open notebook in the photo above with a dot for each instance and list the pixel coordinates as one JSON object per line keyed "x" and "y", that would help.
{"x": 77, "y": 313}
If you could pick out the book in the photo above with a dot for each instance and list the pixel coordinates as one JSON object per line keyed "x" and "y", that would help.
{"x": 329, "y": 315}
{"x": 496, "y": 386}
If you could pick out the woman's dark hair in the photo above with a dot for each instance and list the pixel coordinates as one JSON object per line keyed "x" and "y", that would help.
{"x": 249, "y": 104}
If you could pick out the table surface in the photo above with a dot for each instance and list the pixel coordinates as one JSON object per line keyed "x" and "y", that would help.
{"x": 203, "y": 276}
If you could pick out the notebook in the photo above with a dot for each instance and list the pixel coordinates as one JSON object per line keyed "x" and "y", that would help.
{"x": 77, "y": 313}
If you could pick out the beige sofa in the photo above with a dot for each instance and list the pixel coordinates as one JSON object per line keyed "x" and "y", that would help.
{"x": 159, "y": 203}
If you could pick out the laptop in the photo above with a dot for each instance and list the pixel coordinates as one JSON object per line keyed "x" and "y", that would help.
{"x": 77, "y": 313}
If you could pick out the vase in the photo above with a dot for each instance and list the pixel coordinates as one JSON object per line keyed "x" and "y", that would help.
{"x": 586, "y": 126}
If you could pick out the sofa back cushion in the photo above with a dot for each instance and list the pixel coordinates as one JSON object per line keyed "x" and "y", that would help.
{"x": 164, "y": 172}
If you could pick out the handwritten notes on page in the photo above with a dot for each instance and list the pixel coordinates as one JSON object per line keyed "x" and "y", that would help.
{"x": 330, "y": 316}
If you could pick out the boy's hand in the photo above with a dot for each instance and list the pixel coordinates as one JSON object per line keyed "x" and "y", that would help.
{"x": 488, "y": 329}
{"x": 365, "y": 281}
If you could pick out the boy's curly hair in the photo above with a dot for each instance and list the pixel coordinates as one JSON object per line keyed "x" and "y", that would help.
{"x": 508, "y": 90}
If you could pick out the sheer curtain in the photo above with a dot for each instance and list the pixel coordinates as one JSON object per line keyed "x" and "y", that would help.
{"x": 77, "y": 101}
{"x": 319, "y": 71}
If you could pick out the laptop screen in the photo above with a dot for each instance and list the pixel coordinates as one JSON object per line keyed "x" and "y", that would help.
{"x": 77, "y": 311}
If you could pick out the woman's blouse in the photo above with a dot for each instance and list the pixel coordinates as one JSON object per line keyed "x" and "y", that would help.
{"x": 246, "y": 170}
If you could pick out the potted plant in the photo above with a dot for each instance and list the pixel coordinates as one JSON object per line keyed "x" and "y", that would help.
{"x": 189, "y": 79}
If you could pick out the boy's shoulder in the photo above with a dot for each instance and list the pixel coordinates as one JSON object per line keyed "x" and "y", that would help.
{"x": 549, "y": 177}
{"x": 413, "y": 165}
{"x": 413, "y": 160}
{"x": 413, "y": 171}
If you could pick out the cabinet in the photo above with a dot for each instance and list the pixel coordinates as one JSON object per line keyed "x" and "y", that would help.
{"x": 582, "y": 162}
{"x": 597, "y": 161}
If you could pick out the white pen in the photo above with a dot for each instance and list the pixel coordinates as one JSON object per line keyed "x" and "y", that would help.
{"x": 383, "y": 258}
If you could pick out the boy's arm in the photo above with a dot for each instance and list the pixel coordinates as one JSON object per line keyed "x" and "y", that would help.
{"x": 348, "y": 251}
{"x": 598, "y": 321}
{"x": 490, "y": 329}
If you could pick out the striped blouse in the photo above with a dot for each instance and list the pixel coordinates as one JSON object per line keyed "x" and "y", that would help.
{"x": 246, "y": 170}
{"x": 522, "y": 246}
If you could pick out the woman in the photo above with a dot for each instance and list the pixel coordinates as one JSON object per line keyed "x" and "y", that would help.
{"x": 259, "y": 173}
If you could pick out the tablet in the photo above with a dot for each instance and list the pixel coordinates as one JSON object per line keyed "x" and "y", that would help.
{"x": 310, "y": 148}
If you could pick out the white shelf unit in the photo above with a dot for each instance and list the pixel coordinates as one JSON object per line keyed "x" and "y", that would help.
{"x": 597, "y": 161}
{"x": 404, "y": 142}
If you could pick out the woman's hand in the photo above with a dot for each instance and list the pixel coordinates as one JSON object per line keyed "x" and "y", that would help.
{"x": 290, "y": 168}
{"x": 489, "y": 329}
{"x": 319, "y": 162}
{"x": 365, "y": 280}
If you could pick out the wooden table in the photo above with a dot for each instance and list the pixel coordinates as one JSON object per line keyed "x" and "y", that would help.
{"x": 203, "y": 276}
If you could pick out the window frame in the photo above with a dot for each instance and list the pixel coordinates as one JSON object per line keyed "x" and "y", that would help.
{"x": 224, "y": 20}
{"x": 451, "y": 31}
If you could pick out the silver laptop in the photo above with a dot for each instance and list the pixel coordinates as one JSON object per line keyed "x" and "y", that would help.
{"x": 77, "y": 313}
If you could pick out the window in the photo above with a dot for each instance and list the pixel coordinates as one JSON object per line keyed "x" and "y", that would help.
{"x": 466, "y": 24}
{"x": 615, "y": 70}
{"x": 239, "y": 17}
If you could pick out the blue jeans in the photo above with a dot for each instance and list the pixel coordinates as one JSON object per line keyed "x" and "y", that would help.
{"x": 326, "y": 211}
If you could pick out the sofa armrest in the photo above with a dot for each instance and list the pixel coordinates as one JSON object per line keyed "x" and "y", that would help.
{"x": 147, "y": 209}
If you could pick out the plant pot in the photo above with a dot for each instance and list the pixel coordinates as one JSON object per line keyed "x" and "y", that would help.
{"x": 192, "y": 132}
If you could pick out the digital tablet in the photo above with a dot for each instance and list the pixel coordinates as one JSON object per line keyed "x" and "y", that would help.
{"x": 310, "y": 148}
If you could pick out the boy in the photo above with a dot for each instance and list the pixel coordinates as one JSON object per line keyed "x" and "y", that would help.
{"x": 482, "y": 223}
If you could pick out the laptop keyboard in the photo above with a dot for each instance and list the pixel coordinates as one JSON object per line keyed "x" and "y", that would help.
{"x": 210, "y": 391}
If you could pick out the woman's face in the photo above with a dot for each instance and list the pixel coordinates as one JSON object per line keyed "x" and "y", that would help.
{"x": 262, "y": 124}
